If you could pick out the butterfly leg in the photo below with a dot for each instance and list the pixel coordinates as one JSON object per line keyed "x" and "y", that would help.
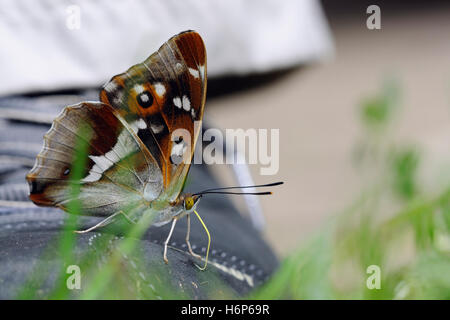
{"x": 168, "y": 239}
{"x": 102, "y": 223}
{"x": 188, "y": 217}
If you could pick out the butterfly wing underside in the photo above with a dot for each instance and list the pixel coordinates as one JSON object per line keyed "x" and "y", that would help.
{"x": 129, "y": 137}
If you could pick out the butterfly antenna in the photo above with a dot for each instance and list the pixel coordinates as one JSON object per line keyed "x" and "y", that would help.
{"x": 230, "y": 192}
{"x": 209, "y": 241}
{"x": 216, "y": 190}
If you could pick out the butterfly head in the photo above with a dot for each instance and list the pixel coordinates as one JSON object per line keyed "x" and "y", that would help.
{"x": 190, "y": 202}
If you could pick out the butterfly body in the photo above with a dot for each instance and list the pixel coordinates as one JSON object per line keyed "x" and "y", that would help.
{"x": 131, "y": 163}
{"x": 164, "y": 211}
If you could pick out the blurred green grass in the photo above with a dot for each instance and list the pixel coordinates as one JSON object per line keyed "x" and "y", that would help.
{"x": 393, "y": 223}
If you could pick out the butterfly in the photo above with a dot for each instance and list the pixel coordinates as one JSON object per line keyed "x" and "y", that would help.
{"x": 135, "y": 158}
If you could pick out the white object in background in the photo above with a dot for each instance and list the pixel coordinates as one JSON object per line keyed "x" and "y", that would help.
{"x": 58, "y": 44}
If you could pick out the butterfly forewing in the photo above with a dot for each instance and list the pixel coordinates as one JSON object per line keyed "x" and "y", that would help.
{"x": 166, "y": 92}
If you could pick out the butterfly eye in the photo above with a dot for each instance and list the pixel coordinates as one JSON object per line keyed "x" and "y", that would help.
{"x": 145, "y": 99}
{"x": 188, "y": 203}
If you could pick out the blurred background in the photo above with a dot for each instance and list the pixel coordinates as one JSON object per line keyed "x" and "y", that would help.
{"x": 363, "y": 114}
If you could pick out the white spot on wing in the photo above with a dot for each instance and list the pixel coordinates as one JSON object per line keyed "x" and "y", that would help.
{"x": 202, "y": 72}
{"x": 141, "y": 124}
{"x": 186, "y": 103}
{"x": 124, "y": 146}
{"x": 144, "y": 97}
{"x": 138, "y": 124}
{"x": 160, "y": 89}
{"x": 178, "y": 149}
{"x": 101, "y": 165}
{"x": 177, "y": 102}
{"x": 194, "y": 73}
{"x": 92, "y": 176}
{"x": 139, "y": 88}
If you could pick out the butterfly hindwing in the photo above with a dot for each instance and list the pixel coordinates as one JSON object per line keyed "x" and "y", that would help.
{"x": 117, "y": 171}
{"x": 167, "y": 92}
